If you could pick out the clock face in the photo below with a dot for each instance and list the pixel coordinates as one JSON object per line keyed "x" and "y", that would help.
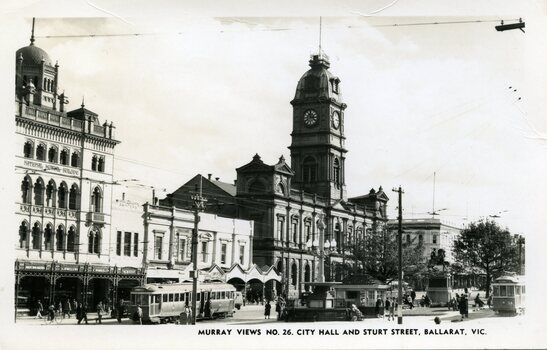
{"x": 336, "y": 120}
{"x": 310, "y": 117}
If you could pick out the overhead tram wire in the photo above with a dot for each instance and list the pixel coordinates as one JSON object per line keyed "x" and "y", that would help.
{"x": 107, "y": 35}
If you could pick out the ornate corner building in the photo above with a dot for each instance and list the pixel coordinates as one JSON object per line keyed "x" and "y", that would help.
{"x": 63, "y": 165}
{"x": 295, "y": 206}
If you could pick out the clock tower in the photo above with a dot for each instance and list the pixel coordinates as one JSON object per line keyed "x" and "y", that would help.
{"x": 318, "y": 154}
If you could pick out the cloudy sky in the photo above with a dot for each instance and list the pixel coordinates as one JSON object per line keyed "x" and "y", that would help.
{"x": 203, "y": 89}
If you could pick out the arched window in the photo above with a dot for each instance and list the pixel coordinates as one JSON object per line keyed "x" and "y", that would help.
{"x": 36, "y": 236}
{"x": 309, "y": 168}
{"x": 94, "y": 242}
{"x": 75, "y": 160}
{"x": 39, "y": 192}
{"x": 28, "y": 149}
{"x": 73, "y": 197}
{"x": 63, "y": 159}
{"x": 60, "y": 238}
{"x": 70, "y": 239}
{"x": 50, "y": 193}
{"x": 41, "y": 152}
{"x": 48, "y": 236}
{"x": 307, "y": 277}
{"x": 294, "y": 275}
{"x": 94, "y": 163}
{"x": 97, "y": 200}
{"x": 62, "y": 194}
{"x": 52, "y": 155}
{"x": 336, "y": 168}
{"x": 26, "y": 190}
{"x": 280, "y": 266}
{"x": 23, "y": 235}
{"x": 338, "y": 236}
{"x": 100, "y": 165}
{"x": 350, "y": 235}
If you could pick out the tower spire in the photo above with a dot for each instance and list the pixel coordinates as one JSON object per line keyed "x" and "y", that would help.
{"x": 320, "y": 25}
{"x": 83, "y": 102}
{"x": 32, "y": 33}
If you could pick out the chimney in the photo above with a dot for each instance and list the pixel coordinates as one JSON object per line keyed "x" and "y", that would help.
{"x": 209, "y": 176}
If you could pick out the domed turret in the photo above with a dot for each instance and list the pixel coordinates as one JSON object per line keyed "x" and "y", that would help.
{"x": 318, "y": 82}
{"x": 34, "y": 65}
{"x": 33, "y": 55}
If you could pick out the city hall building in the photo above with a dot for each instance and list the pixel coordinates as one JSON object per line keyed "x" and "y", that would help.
{"x": 63, "y": 167}
{"x": 301, "y": 207}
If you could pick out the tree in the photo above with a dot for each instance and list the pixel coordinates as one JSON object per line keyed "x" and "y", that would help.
{"x": 486, "y": 246}
{"x": 377, "y": 255}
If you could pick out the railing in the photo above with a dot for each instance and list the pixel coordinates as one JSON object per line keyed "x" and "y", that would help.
{"x": 96, "y": 217}
{"x": 59, "y": 119}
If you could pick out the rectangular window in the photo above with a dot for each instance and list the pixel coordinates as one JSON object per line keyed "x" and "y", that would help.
{"x": 171, "y": 297}
{"x": 177, "y": 296}
{"x": 119, "y": 243}
{"x": 182, "y": 249}
{"x": 280, "y": 229}
{"x": 165, "y": 298}
{"x": 127, "y": 244}
{"x": 223, "y": 249}
{"x": 204, "y": 251}
{"x": 242, "y": 254}
{"x": 135, "y": 244}
{"x": 158, "y": 240}
{"x": 434, "y": 239}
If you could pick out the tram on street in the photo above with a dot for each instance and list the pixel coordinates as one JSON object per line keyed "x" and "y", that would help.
{"x": 162, "y": 303}
{"x": 509, "y": 295}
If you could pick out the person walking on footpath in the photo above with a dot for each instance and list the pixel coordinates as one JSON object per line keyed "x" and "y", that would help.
{"x": 100, "y": 312}
{"x": 378, "y": 307}
{"x": 119, "y": 311}
{"x": 82, "y": 312}
{"x": 267, "y": 309}
{"x": 413, "y": 296}
{"x": 462, "y": 306}
{"x": 392, "y": 308}
{"x": 39, "y": 309}
{"x": 66, "y": 308}
{"x": 139, "y": 314}
{"x": 387, "y": 307}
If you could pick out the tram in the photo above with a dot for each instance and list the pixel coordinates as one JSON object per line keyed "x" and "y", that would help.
{"x": 509, "y": 294}
{"x": 162, "y": 303}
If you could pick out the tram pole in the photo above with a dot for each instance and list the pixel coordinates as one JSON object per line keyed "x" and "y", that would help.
{"x": 198, "y": 206}
{"x": 400, "y": 257}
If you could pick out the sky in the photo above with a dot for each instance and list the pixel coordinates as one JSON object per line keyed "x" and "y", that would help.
{"x": 203, "y": 94}
{"x": 207, "y": 87}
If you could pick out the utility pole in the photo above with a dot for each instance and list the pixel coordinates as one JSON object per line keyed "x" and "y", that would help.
{"x": 400, "y": 255}
{"x": 199, "y": 205}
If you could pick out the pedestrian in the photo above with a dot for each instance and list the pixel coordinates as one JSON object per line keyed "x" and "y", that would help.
{"x": 427, "y": 301}
{"x": 82, "y": 312}
{"x": 413, "y": 296}
{"x": 51, "y": 312}
{"x": 392, "y": 308}
{"x": 59, "y": 308}
{"x": 100, "y": 312}
{"x": 355, "y": 313}
{"x": 74, "y": 305}
{"x": 267, "y": 309}
{"x": 462, "y": 306}
{"x": 185, "y": 316}
{"x": 39, "y": 309}
{"x": 139, "y": 314}
{"x": 66, "y": 308}
{"x": 489, "y": 301}
{"x": 378, "y": 307}
{"x": 466, "y": 306}
{"x": 119, "y": 310}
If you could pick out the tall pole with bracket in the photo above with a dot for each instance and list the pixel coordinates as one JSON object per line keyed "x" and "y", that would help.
{"x": 400, "y": 257}
{"x": 199, "y": 204}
